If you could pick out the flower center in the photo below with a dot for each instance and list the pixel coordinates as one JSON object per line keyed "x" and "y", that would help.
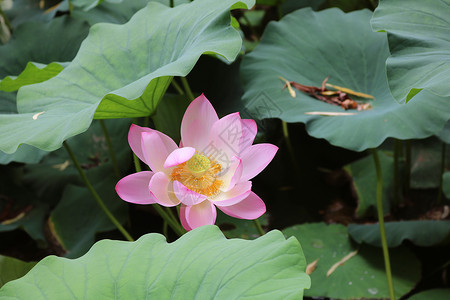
{"x": 199, "y": 174}
{"x": 198, "y": 165}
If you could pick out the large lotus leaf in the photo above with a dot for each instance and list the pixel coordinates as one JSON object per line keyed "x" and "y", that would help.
{"x": 419, "y": 40}
{"x": 85, "y": 4}
{"x": 435, "y": 294}
{"x": 202, "y": 264}
{"x": 423, "y": 233}
{"x": 444, "y": 135}
{"x": 117, "y": 13}
{"x": 360, "y": 277}
{"x": 364, "y": 177}
{"x": 25, "y": 153}
{"x": 12, "y": 268}
{"x": 33, "y": 73}
{"x": 307, "y": 47}
{"x": 121, "y": 71}
{"x": 44, "y": 43}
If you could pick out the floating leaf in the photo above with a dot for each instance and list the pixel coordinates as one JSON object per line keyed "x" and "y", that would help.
{"x": 436, "y": 294}
{"x": 201, "y": 264}
{"x": 423, "y": 233}
{"x": 11, "y": 269}
{"x": 352, "y": 56}
{"x": 239, "y": 228}
{"x": 362, "y": 275}
{"x": 121, "y": 71}
{"x": 419, "y": 40}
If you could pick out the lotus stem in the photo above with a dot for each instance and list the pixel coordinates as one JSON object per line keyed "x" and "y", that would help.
{"x": 112, "y": 153}
{"x": 259, "y": 227}
{"x": 444, "y": 150}
{"x": 187, "y": 88}
{"x": 408, "y": 166}
{"x": 174, "y": 225}
{"x": 380, "y": 211}
{"x": 95, "y": 195}
{"x": 137, "y": 163}
{"x": 177, "y": 86}
{"x": 397, "y": 151}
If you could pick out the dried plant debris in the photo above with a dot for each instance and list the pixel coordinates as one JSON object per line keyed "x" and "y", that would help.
{"x": 338, "y": 96}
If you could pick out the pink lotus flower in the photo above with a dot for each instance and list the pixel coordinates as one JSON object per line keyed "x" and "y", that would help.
{"x": 211, "y": 168}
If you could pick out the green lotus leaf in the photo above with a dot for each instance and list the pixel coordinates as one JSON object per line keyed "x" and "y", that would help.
{"x": 117, "y": 13}
{"x": 423, "y": 233}
{"x": 364, "y": 177}
{"x": 306, "y": 47}
{"x": 31, "y": 40}
{"x": 362, "y": 276}
{"x": 444, "y": 135}
{"x": 12, "y": 268}
{"x": 419, "y": 41}
{"x": 86, "y": 4}
{"x": 25, "y": 153}
{"x": 202, "y": 264}
{"x": 121, "y": 71}
{"x": 33, "y": 73}
{"x": 437, "y": 294}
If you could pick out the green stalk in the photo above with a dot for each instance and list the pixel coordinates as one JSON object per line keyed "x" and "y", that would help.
{"x": 187, "y": 88}
{"x": 259, "y": 227}
{"x": 174, "y": 225}
{"x": 137, "y": 163}
{"x": 165, "y": 229}
{"x": 444, "y": 150}
{"x": 95, "y": 195}
{"x": 171, "y": 215}
{"x": 387, "y": 263}
{"x": 112, "y": 154}
{"x": 408, "y": 166}
{"x": 396, "y": 173}
{"x": 171, "y": 3}
{"x": 177, "y": 86}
